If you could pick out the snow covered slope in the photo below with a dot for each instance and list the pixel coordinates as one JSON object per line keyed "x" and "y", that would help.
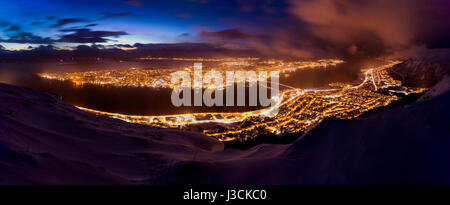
{"x": 425, "y": 70}
{"x": 44, "y": 141}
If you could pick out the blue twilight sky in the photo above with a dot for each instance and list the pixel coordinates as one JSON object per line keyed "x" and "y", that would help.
{"x": 305, "y": 28}
{"x": 25, "y": 23}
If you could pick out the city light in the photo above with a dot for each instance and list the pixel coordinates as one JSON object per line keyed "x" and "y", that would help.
{"x": 161, "y": 77}
{"x": 298, "y": 109}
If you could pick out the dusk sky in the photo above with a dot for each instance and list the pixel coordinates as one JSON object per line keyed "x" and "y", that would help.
{"x": 25, "y": 23}
{"x": 302, "y": 28}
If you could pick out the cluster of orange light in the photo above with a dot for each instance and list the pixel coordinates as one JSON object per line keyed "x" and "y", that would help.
{"x": 162, "y": 78}
{"x": 299, "y": 109}
{"x": 201, "y": 59}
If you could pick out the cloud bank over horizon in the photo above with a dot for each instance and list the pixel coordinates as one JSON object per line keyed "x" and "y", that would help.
{"x": 290, "y": 28}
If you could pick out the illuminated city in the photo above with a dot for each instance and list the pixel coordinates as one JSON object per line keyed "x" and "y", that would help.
{"x": 161, "y": 78}
{"x": 299, "y": 109}
{"x": 225, "y": 101}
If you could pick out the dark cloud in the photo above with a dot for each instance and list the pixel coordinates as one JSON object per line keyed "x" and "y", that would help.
{"x": 184, "y": 15}
{"x": 185, "y": 34}
{"x": 373, "y": 27}
{"x": 4, "y": 23}
{"x": 88, "y": 36}
{"x": 116, "y": 52}
{"x": 343, "y": 21}
{"x": 73, "y": 35}
{"x": 123, "y": 46}
{"x": 265, "y": 6}
{"x": 344, "y": 28}
{"x": 91, "y": 25}
{"x": 27, "y": 37}
{"x": 227, "y": 34}
{"x": 116, "y": 15}
{"x": 13, "y": 28}
{"x": 2, "y": 48}
{"x": 44, "y": 48}
{"x": 134, "y": 3}
{"x": 236, "y": 39}
{"x": 187, "y": 50}
{"x": 174, "y": 46}
{"x": 65, "y": 21}
{"x": 36, "y": 23}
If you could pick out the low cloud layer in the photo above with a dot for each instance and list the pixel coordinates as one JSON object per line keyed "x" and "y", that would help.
{"x": 68, "y": 36}
{"x": 120, "y": 52}
{"x": 88, "y": 36}
{"x": 349, "y": 28}
{"x": 373, "y": 27}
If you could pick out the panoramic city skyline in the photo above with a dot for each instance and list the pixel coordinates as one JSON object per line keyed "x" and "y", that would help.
{"x": 246, "y": 94}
